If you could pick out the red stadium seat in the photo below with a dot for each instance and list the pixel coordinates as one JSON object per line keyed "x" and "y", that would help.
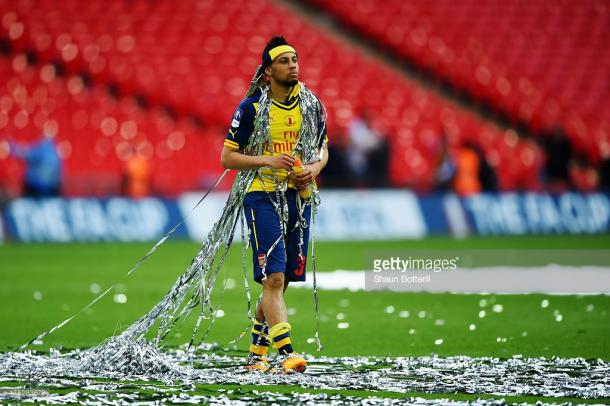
{"x": 178, "y": 69}
{"x": 535, "y": 61}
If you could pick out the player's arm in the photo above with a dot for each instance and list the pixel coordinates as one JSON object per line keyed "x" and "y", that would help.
{"x": 235, "y": 159}
{"x": 232, "y": 156}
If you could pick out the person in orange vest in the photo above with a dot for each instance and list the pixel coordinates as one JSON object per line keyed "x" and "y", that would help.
{"x": 467, "y": 181}
{"x": 137, "y": 177}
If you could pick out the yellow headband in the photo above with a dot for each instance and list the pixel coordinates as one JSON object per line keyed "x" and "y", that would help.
{"x": 277, "y": 51}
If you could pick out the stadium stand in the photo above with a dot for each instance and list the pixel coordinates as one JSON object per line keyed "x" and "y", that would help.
{"x": 97, "y": 132}
{"x": 114, "y": 77}
{"x": 541, "y": 63}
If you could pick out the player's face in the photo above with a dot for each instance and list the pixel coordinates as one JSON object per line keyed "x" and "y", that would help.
{"x": 285, "y": 69}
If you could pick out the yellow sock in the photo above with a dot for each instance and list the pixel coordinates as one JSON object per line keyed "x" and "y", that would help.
{"x": 260, "y": 338}
{"x": 280, "y": 334}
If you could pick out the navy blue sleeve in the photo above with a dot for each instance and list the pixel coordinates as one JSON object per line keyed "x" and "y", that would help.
{"x": 242, "y": 125}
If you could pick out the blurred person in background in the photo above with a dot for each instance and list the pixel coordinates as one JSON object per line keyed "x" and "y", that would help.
{"x": 467, "y": 172}
{"x": 604, "y": 175}
{"x": 367, "y": 152}
{"x": 487, "y": 174}
{"x": 43, "y": 174}
{"x": 136, "y": 182}
{"x": 336, "y": 172}
{"x": 584, "y": 177}
{"x": 445, "y": 167}
{"x": 559, "y": 154}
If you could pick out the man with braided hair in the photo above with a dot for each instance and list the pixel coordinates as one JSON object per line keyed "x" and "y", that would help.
{"x": 277, "y": 206}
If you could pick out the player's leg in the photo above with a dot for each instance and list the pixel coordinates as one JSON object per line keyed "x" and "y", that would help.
{"x": 296, "y": 252}
{"x": 269, "y": 257}
{"x": 269, "y": 265}
{"x": 297, "y": 242}
{"x": 259, "y": 347}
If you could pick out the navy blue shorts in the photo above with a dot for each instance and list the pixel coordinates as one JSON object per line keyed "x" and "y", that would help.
{"x": 264, "y": 226}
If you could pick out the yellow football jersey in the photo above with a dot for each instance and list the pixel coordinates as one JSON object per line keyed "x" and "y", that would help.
{"x": 284, "y": 126}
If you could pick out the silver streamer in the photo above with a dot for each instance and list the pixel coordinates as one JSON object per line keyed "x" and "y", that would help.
{"x": 139, "y": 361}
{"x": 194, "y": 287}
{"x": 133, "y": 268}
{"x": 129, "y": 354}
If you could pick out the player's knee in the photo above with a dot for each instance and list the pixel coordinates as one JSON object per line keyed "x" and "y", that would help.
{"x": 274, "y": 281}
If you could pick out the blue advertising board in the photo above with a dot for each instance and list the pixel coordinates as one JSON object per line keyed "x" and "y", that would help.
{"x": 88, "y": 219}
{"x": 533, "y": 213}
{"x": 343, "y": 215}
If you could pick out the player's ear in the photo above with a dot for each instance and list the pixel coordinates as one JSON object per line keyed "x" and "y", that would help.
{"x": 268, "y": 71}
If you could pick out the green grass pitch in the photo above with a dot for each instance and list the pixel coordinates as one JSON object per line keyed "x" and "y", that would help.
{"x": 44, "y": 284}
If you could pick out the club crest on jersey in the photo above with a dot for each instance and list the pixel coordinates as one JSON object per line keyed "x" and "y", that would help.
{"x": 289, "y": 121}
{"x": 236, "y": 118}
{"x": 262, "y": 260}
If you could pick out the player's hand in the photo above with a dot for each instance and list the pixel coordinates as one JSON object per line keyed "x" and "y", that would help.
{"x": 283, "y": 161}
{"x": 305, "y": 177}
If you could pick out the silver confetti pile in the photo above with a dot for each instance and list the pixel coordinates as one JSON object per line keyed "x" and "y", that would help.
{"x": 235, "y": 398}
{"x": 179, "y": 371}
{"x": 253, "y": 398}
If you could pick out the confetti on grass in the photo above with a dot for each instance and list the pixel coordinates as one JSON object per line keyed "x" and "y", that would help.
{"x": 140, "y": 363}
